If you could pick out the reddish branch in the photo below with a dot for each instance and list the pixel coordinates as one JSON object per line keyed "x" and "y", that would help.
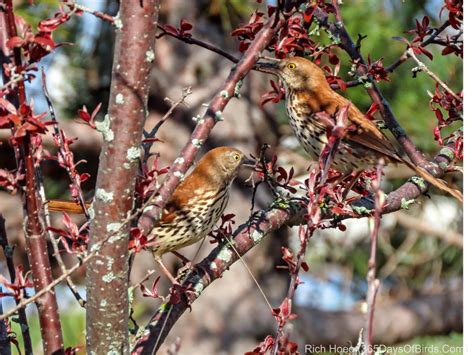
{"x": 203, "y": 129}
{"x": 212, "y": 268}
{"x": 35, "y": 234}
{"x": 107, "y": 274}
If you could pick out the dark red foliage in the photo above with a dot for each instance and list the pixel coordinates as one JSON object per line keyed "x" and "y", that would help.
{"x": 182, "y": 31}
{"x": 89, "y": 118}
{"x": 441, "y": 101}
{"x": 153, "y": 293}
{"x": 73, "y": 238}
{"x": 23, "y": 121}
{"x": 137, "y": 241}
{"x": 456, "y": 12}
{"x": 17, "y": 288}
{"x": 225, "y": 230}
{"x": 275, "y": 95}
{"x": 246, "y": 33}
{"x": 377, "y": 70}
{"x": 11, "y": 181}
{"x": 265, "y": 346}
{"x": 146, "y": 182}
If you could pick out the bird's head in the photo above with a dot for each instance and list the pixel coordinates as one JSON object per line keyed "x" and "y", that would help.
{"x": 297, "y": 73}
{"x": 220, "y": 165}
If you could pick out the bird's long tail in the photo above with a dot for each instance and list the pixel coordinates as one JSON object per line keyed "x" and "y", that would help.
{"x": 65, "y": 206}
{"x": 436, "y": 182}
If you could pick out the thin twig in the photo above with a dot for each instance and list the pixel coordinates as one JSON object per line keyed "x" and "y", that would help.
{"x": 150, "y": 135}
{"x": 197, "y": 42}
{"x": 372, "y": 281}
{"x": 73, "y": 6}
{"x": 422, "y": 66}
{"x": 59, "y": 137}
{"x": 426, "y": 42}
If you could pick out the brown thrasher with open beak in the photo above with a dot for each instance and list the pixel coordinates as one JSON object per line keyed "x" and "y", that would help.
{"x": 307, "y": 94}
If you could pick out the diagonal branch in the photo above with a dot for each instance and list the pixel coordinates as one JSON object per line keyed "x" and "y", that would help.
{"x": 204, "y": 126}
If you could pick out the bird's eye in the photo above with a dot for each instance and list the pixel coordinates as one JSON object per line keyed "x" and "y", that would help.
{"x": 291, "y": 66}
{"x": 236, "y": 157}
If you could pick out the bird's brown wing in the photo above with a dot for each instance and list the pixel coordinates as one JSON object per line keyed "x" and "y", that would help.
{"x": 370, "y": 136}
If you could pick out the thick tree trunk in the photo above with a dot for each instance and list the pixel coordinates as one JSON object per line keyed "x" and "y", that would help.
{"x": 107, "y": 274}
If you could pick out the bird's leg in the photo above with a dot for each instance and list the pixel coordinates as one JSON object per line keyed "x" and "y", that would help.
{"x": 166, "y": 271}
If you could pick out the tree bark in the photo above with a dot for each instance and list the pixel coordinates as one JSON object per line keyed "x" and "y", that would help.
{"x": 107, "y": 274}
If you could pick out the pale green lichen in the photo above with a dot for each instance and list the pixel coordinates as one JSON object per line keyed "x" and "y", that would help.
{"x": 196, "y": 142}
{"x": 116, "y": 238}
{"x": 418, "y": 181}
{"x": 447, "y": 152}
{"x": 150, "y": 55}
{"x": 361, "y": 210}
{"x": 119, "y": 100}
{"x": 103, "y": 195}
{"x": 109, "y": 277}
{"x": 238, "y": 86}
{"x": 224, "y": 94}
{"x": 225, "y": 255}
{"x": 104, "y": 128}
{"x": 118, "y": 22}
{"x": 91, "y": 211}
{"x": 405, "y": 204}
{"x": 198, "y": 288}
{"x": 218, "y": 116}
{"x": 113, "y": 227}
{"x": 133, "y": 153}
{"x": 103, "y": 303}
{"x": 197, "y": 118}
{"x": 256, "y": 236}
{"x": 213, "y": 266}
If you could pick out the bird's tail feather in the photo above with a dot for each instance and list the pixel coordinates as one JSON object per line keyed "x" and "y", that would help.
{"x": 440, "y": 184}
{"x": 65, "y": 206}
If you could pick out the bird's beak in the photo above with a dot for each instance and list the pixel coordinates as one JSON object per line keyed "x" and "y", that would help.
{"x": 248, "y": 163}
{"x": 267, "y": 67}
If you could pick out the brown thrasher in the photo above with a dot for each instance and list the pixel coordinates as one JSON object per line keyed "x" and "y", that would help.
{"x": 196, "y": 205}
{"x": 307, "y": 94}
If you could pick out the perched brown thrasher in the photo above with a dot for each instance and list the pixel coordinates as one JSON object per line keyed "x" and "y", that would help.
{"x": 198, "y": 202}
{"x": 196, "y": 205}
{"x": 307, "y": 94}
